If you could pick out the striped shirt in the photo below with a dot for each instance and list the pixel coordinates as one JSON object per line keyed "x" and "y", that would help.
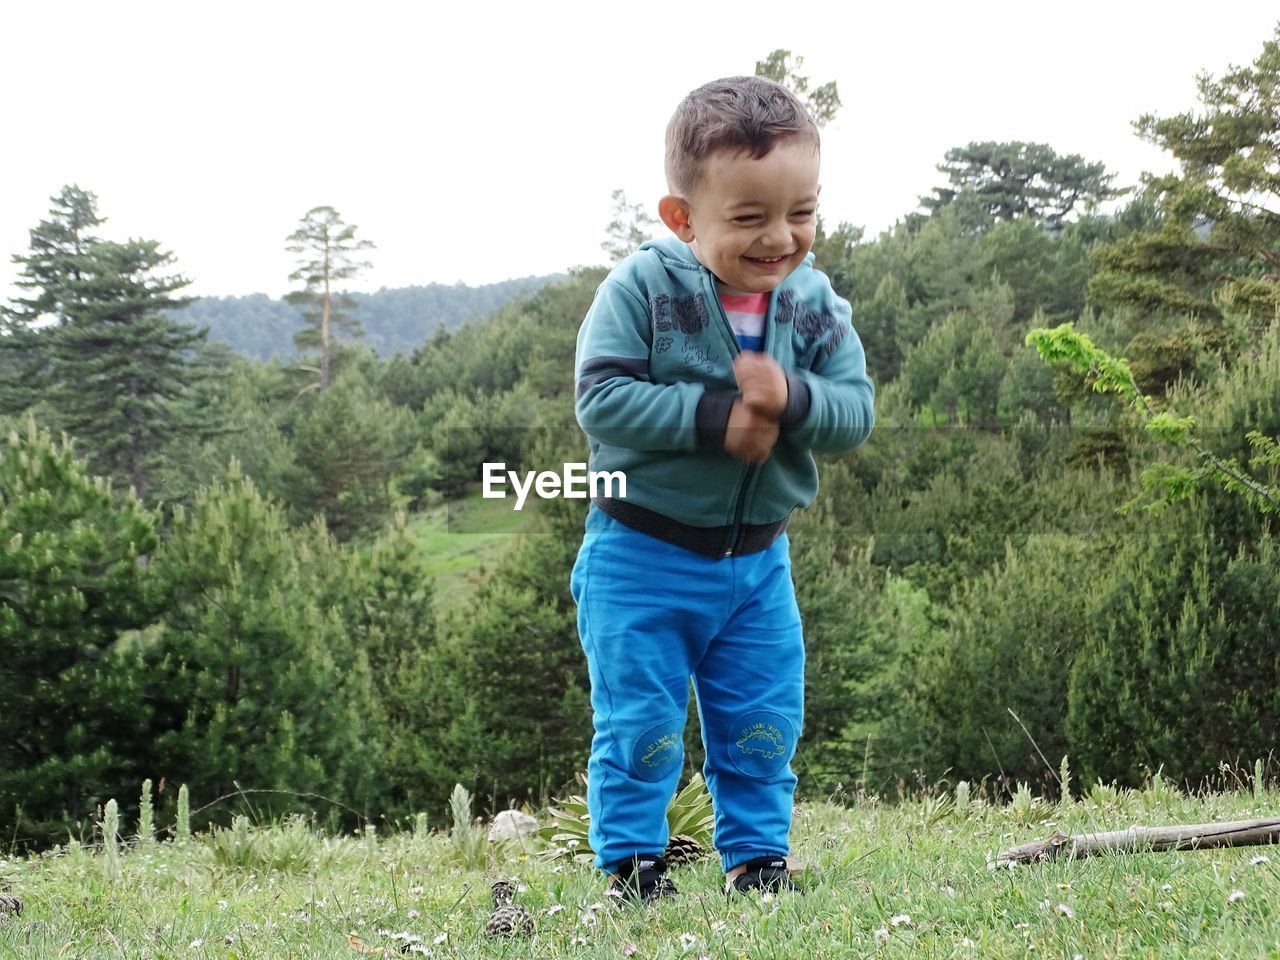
{"x": 746, "y": 312}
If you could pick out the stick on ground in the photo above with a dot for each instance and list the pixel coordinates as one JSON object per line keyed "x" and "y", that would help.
{"x": 1193, "y": 836}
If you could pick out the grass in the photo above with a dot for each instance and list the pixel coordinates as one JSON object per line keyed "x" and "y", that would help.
{"x": 463, "y": 539}
{"x": 902, "y": 880}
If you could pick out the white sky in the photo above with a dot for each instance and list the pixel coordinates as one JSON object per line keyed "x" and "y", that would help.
{"x": 480, "y": 141}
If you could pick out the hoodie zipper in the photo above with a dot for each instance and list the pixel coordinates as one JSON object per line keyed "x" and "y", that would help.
{"x": 744, "y": 484}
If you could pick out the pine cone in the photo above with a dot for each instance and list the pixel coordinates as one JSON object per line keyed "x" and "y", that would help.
{"x": 682, "y": 849}
{"x": 509, "y": 920}
{"x": 504, "y": 892}
{"x": 10, "y": 906}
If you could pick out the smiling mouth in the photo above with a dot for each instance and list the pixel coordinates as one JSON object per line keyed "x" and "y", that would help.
{"x": 766, "y": 260}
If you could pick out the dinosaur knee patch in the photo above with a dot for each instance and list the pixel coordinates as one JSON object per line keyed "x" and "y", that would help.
{"x": 761, "y": 743}
{"x": 658, "y": 751}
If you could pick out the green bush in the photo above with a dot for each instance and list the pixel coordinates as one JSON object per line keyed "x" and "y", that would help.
{"x": 1177, "y": 666}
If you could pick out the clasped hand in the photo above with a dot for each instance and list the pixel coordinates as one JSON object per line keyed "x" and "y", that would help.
{"x": 754, "y": 419}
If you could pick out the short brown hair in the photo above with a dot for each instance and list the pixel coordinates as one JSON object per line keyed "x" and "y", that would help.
{"x": 741, "y": 114}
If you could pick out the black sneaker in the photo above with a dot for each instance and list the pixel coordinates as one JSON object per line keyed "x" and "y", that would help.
{"x": 641, "y": 880}
{"x": 766, "y": 874}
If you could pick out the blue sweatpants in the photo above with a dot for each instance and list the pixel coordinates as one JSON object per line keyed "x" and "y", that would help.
{"x": 650, "y": 616}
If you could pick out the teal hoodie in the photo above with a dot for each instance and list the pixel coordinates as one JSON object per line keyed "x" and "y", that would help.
{"x": 654, "y": 386}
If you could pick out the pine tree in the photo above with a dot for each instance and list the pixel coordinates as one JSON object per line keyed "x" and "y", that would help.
{"x": 248, "y": 686}
{"x": 631, "y": 226}
{"x": 52, "y": 272}
{"x": 993, "y": 181}
{"x": 1177, "y": 665}
{"x": 107, "y": 364}
{"x": 823, "y": 103}
{"x": 328, "y": 249}
{"x": 1217, "y": 248}
{"x": 515, "y": 716}
{"x": 73, "y": 559}
{"x": 384, "y": 599}
{"x": 347, "y": 442}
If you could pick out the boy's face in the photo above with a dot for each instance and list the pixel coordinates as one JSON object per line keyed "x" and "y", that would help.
{"x": 751, "y": 222}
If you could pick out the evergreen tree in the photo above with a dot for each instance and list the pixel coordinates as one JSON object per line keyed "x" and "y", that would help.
{"x": 877, "y": 323}
{"x": 853, "y": 649}
{"x": 52, "y": 272}
{"x": 823, "y": 103}
{"x": 515, "y": 719}
{"x": 252, "y": 684}
{"x": 1010, "y": 637}
{"x": 348, "y": 443}
{"x": 1217, "y": 247}
{"x": 328, "y": 248}
{"x": 957, "y": 368}
{"x": 73, "y": 593}
{"x": 631, "y": 226}
{"x": 993, "y": 181}
{"x": 108, "y": 365}
{"x": 383, "y": 597}
{"x": 1177, "y": 666}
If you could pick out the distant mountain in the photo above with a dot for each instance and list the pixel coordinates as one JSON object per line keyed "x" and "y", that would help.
{"x": 394, "y": 321}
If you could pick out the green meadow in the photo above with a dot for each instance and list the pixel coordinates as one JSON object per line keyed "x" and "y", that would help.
{"x": 912, "y": 880}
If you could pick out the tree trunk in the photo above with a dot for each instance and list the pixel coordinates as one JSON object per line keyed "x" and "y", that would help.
{"x": 324, "y": 329}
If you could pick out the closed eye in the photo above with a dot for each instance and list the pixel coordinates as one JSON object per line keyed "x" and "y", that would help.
{"x": 747, "y": 218}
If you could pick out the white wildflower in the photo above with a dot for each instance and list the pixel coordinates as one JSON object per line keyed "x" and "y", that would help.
{"x": 1066, "y": 911}
{"x": 1235, "y": 895}
{"x": 554, "y": 909}
{"x": 1260, "y": 858}
{"x": 441, "y": 938}
{"x": 687, "y": 942}
{"x": 195, "y": 945}
{"x": 900, "y": 919}
{"x": 881, "y": 935}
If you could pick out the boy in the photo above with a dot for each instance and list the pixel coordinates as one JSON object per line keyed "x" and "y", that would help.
{"x": 708, "y": 366}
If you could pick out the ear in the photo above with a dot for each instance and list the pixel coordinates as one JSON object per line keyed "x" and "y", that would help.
{"x": 674, "y": 212}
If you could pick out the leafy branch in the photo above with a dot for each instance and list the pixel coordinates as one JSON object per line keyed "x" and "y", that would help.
{"x": 1166, "y": 482}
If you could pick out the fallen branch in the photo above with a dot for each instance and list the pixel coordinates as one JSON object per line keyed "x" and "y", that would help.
{"x": 1193, "y": 836}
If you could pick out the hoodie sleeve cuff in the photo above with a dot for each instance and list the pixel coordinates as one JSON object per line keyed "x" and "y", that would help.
{"x": 798, "y": 400}
{"x": 712, "y": 418}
